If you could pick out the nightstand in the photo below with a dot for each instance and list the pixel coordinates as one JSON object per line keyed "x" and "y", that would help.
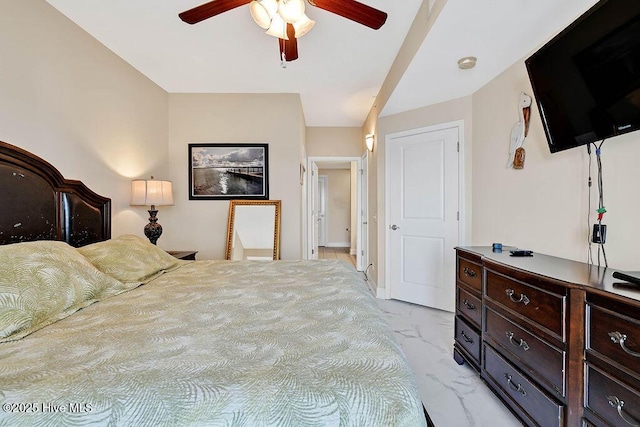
{"x": 186, "y": 255}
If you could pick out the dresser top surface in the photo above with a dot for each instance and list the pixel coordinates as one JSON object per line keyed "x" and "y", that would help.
{"x": 590, "y": 277}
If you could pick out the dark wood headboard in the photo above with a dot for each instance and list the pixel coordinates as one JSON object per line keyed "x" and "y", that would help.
{"x": 37, "y": 203}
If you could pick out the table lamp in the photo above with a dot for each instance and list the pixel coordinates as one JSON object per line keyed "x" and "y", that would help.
{"x": 151, "y": 192}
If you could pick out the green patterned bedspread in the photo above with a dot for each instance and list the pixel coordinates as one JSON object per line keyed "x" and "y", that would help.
{"x": 217, "y": 343}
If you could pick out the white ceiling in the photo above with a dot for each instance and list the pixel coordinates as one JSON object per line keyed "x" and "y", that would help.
{"x": 342, "y": 64}
{"x": 497, "y": 32}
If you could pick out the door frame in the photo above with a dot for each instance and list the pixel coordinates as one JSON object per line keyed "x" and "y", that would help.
{"x": 313, "y": 220}
{"x": 323, "y": 191}
{"x": 459, "y": 124}
{"x": 307, "y": 253}
{"x": 363, "y": 213}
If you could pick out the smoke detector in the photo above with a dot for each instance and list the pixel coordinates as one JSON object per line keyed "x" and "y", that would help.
{"x": 467, "y": 62}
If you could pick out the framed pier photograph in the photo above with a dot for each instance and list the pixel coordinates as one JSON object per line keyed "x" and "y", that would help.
{"x": 225, "y": 171}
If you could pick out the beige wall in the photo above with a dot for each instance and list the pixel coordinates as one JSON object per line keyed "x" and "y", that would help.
{"x": 243, "y": 118}
{"x": 458, "y": 110}
{"x": 338, "y": 217}
{"x": 334, "y": 141}
{"x": 68, "y": 99}
{"x": 543, "y": 207}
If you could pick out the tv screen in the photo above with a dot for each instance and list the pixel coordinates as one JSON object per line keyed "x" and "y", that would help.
{"x": 586, "y": 80}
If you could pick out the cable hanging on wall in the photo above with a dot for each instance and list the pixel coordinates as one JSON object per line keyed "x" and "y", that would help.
{"x": 599, "y": 233}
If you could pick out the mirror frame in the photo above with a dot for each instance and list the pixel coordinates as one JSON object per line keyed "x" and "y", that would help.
{"x": 276, "y": 225}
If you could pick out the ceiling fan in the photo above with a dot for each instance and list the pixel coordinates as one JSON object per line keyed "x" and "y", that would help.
{"x": 286, "y": 20}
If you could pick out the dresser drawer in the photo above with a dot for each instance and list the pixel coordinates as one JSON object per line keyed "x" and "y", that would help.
{"x": 542, "y": 409}
{"x": 614, "y": 336}
{"x": 546, "y": 361}
{"x": 469, "y": 306}
{"x": 468, "y": 338}
{"x": 470, "y": 273}
{"x": 611, "y": 400}
{"x": 542, "y": 307}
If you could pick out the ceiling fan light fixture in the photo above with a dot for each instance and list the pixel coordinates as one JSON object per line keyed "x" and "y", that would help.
{"x": 278, "y": 28}
{"x": 262, "y": 11}
{"x": 303, "y": 25}
{"x": 291, "y": 10}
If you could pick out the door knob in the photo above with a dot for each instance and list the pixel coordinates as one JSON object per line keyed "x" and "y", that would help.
{"x": 394, "y": 227}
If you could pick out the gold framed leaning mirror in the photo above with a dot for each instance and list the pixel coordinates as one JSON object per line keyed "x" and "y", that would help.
{"x": 253, "y": 230}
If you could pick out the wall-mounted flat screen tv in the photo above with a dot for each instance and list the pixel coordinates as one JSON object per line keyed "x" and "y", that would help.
{"x": 586, "y": 80}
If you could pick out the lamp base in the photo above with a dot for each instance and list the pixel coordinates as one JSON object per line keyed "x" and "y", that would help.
{"x": 153, "y": 230}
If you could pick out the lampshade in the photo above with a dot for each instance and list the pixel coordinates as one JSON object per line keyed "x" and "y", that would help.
{"x": 278, "y": 28}
{"x": 291, "y": 10}
{"x": 151, "y": 192}
{"x": 369, "y": 139}
{"x": 262, "y": 11}
{"x": 274, "y": 15}
{"x": 303, "y": 25}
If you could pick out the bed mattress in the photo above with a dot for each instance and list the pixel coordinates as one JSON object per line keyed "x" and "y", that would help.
{"x": 217, "y": 343}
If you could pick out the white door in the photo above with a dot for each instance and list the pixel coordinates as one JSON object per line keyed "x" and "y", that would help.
{"x": 423, "y": 217}
{"x": 322, "y": 210}
{"x": 315, "y": 201}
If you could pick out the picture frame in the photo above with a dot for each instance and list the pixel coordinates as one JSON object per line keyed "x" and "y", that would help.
{"x": 226, "y": 171}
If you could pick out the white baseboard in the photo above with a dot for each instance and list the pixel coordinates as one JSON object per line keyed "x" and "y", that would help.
{"x": 381, "y": 293}
{"x": 338, "y": 244}
{"x": 352, "y": 251}
{"x": 375, "y": 290}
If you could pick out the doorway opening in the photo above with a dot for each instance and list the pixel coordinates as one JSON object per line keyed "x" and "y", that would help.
{"x": 334, "y": 213}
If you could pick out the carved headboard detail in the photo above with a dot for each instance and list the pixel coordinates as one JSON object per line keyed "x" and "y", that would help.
{"x": 38, "y": 203}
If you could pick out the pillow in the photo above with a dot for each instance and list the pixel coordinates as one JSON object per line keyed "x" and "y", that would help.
{"x": 130, "y": 259}
{"x": 45, "y": 281}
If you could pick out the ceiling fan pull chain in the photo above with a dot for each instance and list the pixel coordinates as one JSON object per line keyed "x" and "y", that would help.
{"x": 283, "y": 60}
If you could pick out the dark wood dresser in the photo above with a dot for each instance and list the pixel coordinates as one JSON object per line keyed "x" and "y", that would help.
{"x": 554, "y": 339}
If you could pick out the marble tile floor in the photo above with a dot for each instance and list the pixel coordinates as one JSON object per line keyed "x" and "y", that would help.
{"x": 454, "y": 395}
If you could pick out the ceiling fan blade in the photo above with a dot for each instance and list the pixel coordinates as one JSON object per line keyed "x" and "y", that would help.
{"x": 207, "y": 10}
{"x": 353, "y": 10}
{"x": 289, "y": 47}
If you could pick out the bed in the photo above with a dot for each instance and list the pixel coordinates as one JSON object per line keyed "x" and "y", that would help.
{"x": 101, "y": 331}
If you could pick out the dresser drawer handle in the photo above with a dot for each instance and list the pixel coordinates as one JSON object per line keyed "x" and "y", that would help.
{"x": 619, "y": 404}
{"x": 468, "y": 304}
{"x": 620, "y": 338}
{"x": 466, "y": 337}
{"x": 469, "y": 273}
{"x": 515, "y": 387}
{"x": 523, "y": 298}
{"x": 522, "y": 342}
